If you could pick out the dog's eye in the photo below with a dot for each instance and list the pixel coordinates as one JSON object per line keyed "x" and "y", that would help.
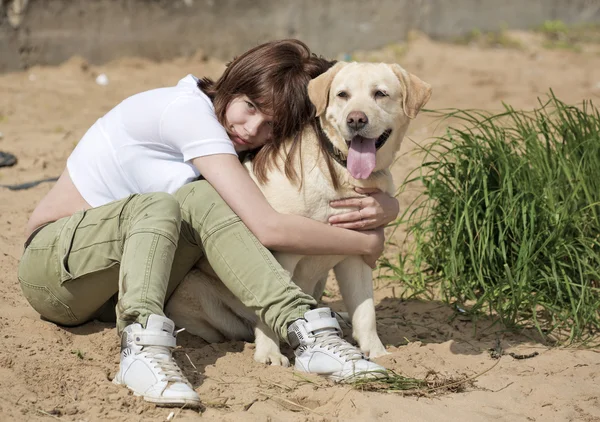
{"x": 342, "y": 94}
{"x": 380, "y": 94}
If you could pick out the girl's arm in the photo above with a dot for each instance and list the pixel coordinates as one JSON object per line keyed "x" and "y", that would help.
{"x": 282, "y": 232}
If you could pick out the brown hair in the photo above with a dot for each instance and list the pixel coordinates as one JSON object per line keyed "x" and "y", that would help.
{"x": 275, "y": 77}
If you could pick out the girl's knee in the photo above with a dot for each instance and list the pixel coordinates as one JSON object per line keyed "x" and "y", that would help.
{"x": 202, "y": 190}
{"x": 200, "y": 197}
{"x": 160, "y": 204}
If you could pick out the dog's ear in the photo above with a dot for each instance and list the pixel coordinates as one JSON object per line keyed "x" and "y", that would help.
{"x": 416, "y": 92}
{"x": 318, "y": 88}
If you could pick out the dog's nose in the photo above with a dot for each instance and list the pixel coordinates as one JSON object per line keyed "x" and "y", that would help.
{"x": 357, "y": 120}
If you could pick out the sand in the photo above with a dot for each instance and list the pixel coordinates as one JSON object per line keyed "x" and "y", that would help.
{"x": 49, "y": 372}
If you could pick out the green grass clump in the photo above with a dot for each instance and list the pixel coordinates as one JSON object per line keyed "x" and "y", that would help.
{"x": 489, "y": 39}
{"x": 559, "y": 35}
{"x": 554, "y": 29}
{"x": 391, "y": 382}
{"x": 509, "y": 220}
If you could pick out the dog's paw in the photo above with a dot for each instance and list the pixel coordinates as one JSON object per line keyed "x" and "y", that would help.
{"x": 377, "y": 351}
{"x": 271, "y": 357}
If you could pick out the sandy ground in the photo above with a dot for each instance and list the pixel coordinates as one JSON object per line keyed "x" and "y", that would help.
{"x": 48, "y": 372}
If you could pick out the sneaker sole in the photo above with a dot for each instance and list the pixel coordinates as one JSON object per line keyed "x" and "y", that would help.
{"x": 163, "y": 402}
{"x": 371, "y": 375}
{"x": 365, "y": 375}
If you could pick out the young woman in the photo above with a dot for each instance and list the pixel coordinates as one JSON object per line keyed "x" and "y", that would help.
{"x": 110, "y": 224}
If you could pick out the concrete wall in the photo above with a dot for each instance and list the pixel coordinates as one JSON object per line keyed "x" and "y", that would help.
{"x": 51, "y": 31}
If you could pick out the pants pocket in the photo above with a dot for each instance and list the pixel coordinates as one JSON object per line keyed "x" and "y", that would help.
{"x": 47, "y": 304}
{"x": 90, "y": 242}
{"x": 65, "y": 243}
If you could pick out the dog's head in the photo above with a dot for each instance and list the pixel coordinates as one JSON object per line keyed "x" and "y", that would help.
{"x": 365, "y": 109}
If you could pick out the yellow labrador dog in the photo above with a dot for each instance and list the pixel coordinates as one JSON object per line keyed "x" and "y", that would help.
{"x": 363, "y": 110}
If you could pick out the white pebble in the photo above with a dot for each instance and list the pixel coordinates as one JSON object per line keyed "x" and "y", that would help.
{"x": 171, "y": 416}
{"x": 102, "y": 79}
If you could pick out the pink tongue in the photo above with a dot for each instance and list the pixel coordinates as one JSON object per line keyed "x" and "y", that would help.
{"x": 361, "y": 157}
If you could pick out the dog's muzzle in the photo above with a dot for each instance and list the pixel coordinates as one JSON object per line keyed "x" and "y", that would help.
{"x": 380, "y": 141}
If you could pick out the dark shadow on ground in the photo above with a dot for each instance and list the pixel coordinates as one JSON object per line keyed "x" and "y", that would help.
{"x": 400, "y": 322}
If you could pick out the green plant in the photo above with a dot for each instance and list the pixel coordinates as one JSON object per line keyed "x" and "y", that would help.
{"x": 490, "y": 39}
{"x": 554, "y": 29}
{"x": 433, "y": 383}
{"x": 559, "y": 35}
{"x": 509, "y": 220}
{"x": 78, "y": 353}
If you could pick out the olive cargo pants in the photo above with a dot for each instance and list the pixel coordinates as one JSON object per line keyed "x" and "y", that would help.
{"x": 141, "y": 247}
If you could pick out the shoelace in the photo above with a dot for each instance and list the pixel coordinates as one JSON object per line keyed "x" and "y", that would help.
{"x": 163, "y": 360}
{"x": 330, "y": 340}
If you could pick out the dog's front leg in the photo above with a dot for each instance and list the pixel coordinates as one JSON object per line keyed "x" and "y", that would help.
{"x": 355, "y": 279}
{"x": 267, "y": 347}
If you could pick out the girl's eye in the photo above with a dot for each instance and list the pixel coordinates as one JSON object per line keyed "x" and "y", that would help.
{"x": 270, "y": 124}
{"x": 250, "y": 105}
{"x": 342, "y": 94}
{"x": 380, "y": 94}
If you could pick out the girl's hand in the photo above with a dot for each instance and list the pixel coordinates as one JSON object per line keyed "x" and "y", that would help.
{"x": 375, "y": 210}
{"x": 377, "y": 247}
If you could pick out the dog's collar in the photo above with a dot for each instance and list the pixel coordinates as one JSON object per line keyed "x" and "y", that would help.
{"x": 332, "y": 150}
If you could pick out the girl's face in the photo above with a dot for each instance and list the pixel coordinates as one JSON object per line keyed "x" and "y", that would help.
{"x": 246, "y": 125}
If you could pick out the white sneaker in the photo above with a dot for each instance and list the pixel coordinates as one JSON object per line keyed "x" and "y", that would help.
{"x": 320, "y": 349}
{"x": 148, "y": 368}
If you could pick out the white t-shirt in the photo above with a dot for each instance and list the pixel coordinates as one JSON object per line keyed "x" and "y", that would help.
{"x": 145, "y": 144}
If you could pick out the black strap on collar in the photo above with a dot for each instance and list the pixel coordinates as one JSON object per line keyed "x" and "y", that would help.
{"x": 335, "y": 153}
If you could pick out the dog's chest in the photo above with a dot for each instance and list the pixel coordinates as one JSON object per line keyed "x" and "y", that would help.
{"x": 310, "y": 200}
